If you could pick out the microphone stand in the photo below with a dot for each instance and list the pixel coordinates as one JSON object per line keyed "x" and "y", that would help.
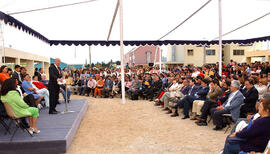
{"x": 66, "y": 103}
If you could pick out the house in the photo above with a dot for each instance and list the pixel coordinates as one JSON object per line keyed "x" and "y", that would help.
{"x": 142, "y": 55}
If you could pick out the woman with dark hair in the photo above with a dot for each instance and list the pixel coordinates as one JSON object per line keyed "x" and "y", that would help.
{"x": 9, "y": 71}
{"x": 20, "y": 108}
{"x": 3, "y": 73}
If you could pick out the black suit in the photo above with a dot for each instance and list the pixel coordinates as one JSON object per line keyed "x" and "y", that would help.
{"x": 53, "y": 86}
{"x": 251, "y": 97}
{"x": 38, "y": 74}
{"x": 15, "y": 75}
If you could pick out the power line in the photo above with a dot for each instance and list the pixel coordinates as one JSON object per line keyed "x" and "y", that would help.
{"x": 52, "y": 7}
{"x": 185, "y": 19}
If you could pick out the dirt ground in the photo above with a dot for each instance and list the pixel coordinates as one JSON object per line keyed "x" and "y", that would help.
{"x": 109, "y": 127}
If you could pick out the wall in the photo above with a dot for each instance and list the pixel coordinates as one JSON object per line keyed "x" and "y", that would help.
{"x": 212, "y": 59}
{"x": 140, "y": 55}
{"x": 238, "y": 58}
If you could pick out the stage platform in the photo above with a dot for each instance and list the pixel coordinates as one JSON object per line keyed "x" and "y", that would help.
{"x": 57, "y": 132}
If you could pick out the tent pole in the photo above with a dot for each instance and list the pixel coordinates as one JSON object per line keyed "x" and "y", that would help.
{"x": 155, "y": 56}
{"x": 2, "y": 54}
{"x": 160, "y": 59}
{"x": 114, "y": 16}
{"x": 220, "y": 37}
{"x": 204, "y": 55}
{"x": 90, "y": 60}
{"x": 122, "y": 53}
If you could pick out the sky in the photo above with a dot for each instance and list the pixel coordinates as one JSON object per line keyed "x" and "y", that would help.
{"x": 143, "y": 20}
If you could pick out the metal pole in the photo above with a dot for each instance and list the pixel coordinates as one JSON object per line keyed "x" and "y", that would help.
{"x": 114, "y": 16}
{"x": 122, "y": 52}
{"x": 220, "y": 37}
{"x": 155, "y": 56}
{"x": 90, "y": 61}
{"x": 160, "y": 59}
{"x": 66, "y": 102}
{"x": 2, "y": 55}
{"x": 204, "y": 55}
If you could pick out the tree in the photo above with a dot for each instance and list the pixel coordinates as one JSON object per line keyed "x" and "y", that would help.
{"x": 118, "y": 62}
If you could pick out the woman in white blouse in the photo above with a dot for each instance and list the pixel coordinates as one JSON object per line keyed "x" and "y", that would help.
{"x": 261, "y": 87}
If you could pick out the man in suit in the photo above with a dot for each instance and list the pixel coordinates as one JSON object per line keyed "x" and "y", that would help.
{"x": 187, "y": 99}
{"x": 39, "y": 74}
{"x": 251, "y": 96}
{"x": 107, "y": 87}
{"x": 211, "y": 101}
{"x": 17, "y": 74}
{"x": 83, "y": 85}
{"x": 230, "y": 106}
{"x": 54, "y": 88}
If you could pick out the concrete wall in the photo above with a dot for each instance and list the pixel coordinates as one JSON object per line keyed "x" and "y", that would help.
{"x": 238, "y": 58}
{"x": 176, "y": 53}
{"x": 197, "y": 59}
{"x": 251, "y": 56}
{"x": 19, "y": 57}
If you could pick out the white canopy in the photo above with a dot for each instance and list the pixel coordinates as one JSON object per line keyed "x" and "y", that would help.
{"x": 143, "y": 19}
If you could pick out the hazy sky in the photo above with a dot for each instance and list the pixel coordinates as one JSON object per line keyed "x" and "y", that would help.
{"x": 143, "y": 20}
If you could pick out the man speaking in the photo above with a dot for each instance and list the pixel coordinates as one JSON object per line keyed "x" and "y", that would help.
{"x": 54, "y": 75}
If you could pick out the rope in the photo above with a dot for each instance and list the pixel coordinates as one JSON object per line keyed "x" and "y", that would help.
{"x": 185, "y": 19}
{"x": 243, "y": 25}
{"x": 52, "y": 7}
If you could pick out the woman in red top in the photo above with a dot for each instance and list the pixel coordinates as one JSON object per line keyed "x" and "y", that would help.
{"x": 3, "y": 73}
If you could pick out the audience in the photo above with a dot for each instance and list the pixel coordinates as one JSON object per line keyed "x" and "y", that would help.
{"x": 41, "y": 89}
{"x": 99, "y": 87}
{"x": 20, "y": 108}
{"x": 107, "y": 87}
{"x": 91, "y": 85}
{"x": 251, "y": 96}
{"x": 255, "y": 136}
{"x": 210, "y": 102}
{"x": 3, "y": 73}
{"x": 29, "y": 89}
{"x": 17, "y": 74}
{"x": 230, "y": 106}
{"x": 199, "y": 90}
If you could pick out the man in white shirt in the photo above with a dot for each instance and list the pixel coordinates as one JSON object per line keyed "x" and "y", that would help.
{"x": 195, "y": 73}
{"x": 91, "y": 85}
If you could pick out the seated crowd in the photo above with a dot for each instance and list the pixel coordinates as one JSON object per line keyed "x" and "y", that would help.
{"x": 199, "y": 92}
{"x": 25, "y": 95}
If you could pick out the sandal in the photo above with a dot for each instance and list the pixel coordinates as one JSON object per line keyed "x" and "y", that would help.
{"x": 30, "y": 130}
{"x": 35, "y": 130}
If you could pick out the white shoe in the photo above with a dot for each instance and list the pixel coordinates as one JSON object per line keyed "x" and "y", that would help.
{"x": 39, "y": 106}
{"x": 35, "y": 131}
{"x": 30, "y": 131}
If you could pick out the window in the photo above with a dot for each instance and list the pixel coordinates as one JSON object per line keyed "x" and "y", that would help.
{"x": 238, "y": 52}
{"x": 210, "y": 52}
{"x": 148, "y": 57}
{"x": 190, "y": 52}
